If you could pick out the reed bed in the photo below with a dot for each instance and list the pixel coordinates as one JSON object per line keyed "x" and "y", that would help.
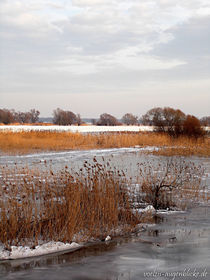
{"x": 33, "y": 141}
{"x": 41, "y": 206}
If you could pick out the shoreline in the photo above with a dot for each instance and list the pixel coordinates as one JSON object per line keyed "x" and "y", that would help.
{"x": 51, "y": 247}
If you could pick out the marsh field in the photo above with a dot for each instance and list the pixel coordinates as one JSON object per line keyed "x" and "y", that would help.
{"x": 103, "y": 206}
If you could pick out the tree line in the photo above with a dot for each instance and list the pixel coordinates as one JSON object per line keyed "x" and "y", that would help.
{"x": 11, "y": 116}
{"x": 166, "y": 120}
{"x": 173, "y": 122}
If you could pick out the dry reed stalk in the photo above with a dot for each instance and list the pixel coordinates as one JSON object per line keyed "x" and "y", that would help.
{"x": 27, "y": 142}
{"x": 59, "y": 206}
{"x": 45, "y": 205}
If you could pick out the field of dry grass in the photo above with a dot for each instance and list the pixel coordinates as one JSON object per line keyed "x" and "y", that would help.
{"x": 41, "y": 206}
{"x": 30, "y": 142}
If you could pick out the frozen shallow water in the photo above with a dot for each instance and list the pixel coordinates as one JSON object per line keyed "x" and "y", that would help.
{"x": 178, "y": 242}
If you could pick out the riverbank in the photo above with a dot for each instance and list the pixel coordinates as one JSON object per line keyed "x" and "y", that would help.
{"x": 41, "y": 204}
{"x": 176, "y": 244}
{"x": 25, "y": 142}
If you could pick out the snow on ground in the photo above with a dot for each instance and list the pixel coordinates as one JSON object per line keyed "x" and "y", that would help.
{"x": 148, "y": 209}
{"x": 47, "y": 248}
{"x": 74, "y": 128}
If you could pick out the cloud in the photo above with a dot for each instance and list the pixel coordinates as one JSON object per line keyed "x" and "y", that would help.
{"x": 190, "y": 40}
{"x": 89, "y": 3}
{"x": 50, "y": 46}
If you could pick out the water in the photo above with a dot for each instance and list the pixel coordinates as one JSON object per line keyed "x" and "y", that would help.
{"x": 178, "y": 243}
{"x": 125, "y": 159}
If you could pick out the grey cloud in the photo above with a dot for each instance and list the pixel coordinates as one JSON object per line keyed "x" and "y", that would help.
{"x": 97, "y": 52}
{"x": 192, "y": 44}
{"x": 190, "y": 40}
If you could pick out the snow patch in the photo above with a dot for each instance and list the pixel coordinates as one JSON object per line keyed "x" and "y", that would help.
{"x": 108, "y": 238}
{"x": 148, "y": 209}
{"x": 74, "y": 128}
{"x": 19, "y": 252}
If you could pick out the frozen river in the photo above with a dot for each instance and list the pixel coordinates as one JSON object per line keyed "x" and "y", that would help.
{"x": 179, "y": 243}
{"x": 176, "y": 247}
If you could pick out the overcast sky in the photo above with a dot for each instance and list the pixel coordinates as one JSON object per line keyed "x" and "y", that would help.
{"x": 113, "y": 56}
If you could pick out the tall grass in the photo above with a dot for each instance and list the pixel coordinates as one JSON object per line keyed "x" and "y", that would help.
{"x": 60, "y": 206}
{"x": 27, "y": 142}
{"x": 38, "y": 206}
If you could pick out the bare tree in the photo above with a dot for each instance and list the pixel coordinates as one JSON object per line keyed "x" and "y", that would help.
{"x": 108, "y": 120}
{"x": 34, "y": 115}
{"x": 205, "y": 121}
{"x": 165, "y": 120}
{"x": 130, "y": 119}
{"x": 23, "y": 117}
{"x": 62, "y": 117}
{"x": 10, "y": 116}
{"x": 79, "y": 120}
{"x": 192, "y": 127}
{"x": 172, "y": 121}
{"x": 165, "y": 184}
{"x": 7, "y": 116}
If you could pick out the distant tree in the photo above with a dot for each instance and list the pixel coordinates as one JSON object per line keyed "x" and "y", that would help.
{"x": 108, "y": 120}
{"x": 153, "y": 117}
{"x": 130, "y": 119}
{"x": 10, "y": 116}
{"x": 62, "y": 117}
{"x": 205, "y": 121}
{"x": 23, "y": 117}
{"x": 165, "y": 120}
{"x": 7, "y": 116}
{"x": 173, "y": 121}
{"x": 34, "y": 115}
{"x": 192, "y": 127}
{"x": 79, "y": 120}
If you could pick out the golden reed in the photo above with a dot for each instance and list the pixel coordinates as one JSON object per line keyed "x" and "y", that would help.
{"x": 31, "y": 142}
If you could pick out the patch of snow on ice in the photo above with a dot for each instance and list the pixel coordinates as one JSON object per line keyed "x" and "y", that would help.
{"x": 18, "y": 252}
{"x": 108, "y": 238}
{"x": 149, "y": 209}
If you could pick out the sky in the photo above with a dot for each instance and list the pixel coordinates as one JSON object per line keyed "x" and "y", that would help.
{"x": 105, "y": 56}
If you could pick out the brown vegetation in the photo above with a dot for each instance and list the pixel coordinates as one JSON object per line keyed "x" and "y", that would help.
{"x": 173, "y": 122}
{"x": 39, "y": 206}
{"x": 33, "y": 141}
{"x": 63, "y": 206}
{"x": 61, "y": 117}
{"x": 130, "y": 119}
{"x": 107, "y": 120}
{"x": 11, "y": 116}
{"x": 171, "y": 183}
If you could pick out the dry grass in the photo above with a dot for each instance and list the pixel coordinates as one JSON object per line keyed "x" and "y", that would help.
{"x": 38, "y": 206}
{"x": 60, "y": 206}
{"x": 172, "y": 183}
{"x": 27, "y": 142}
